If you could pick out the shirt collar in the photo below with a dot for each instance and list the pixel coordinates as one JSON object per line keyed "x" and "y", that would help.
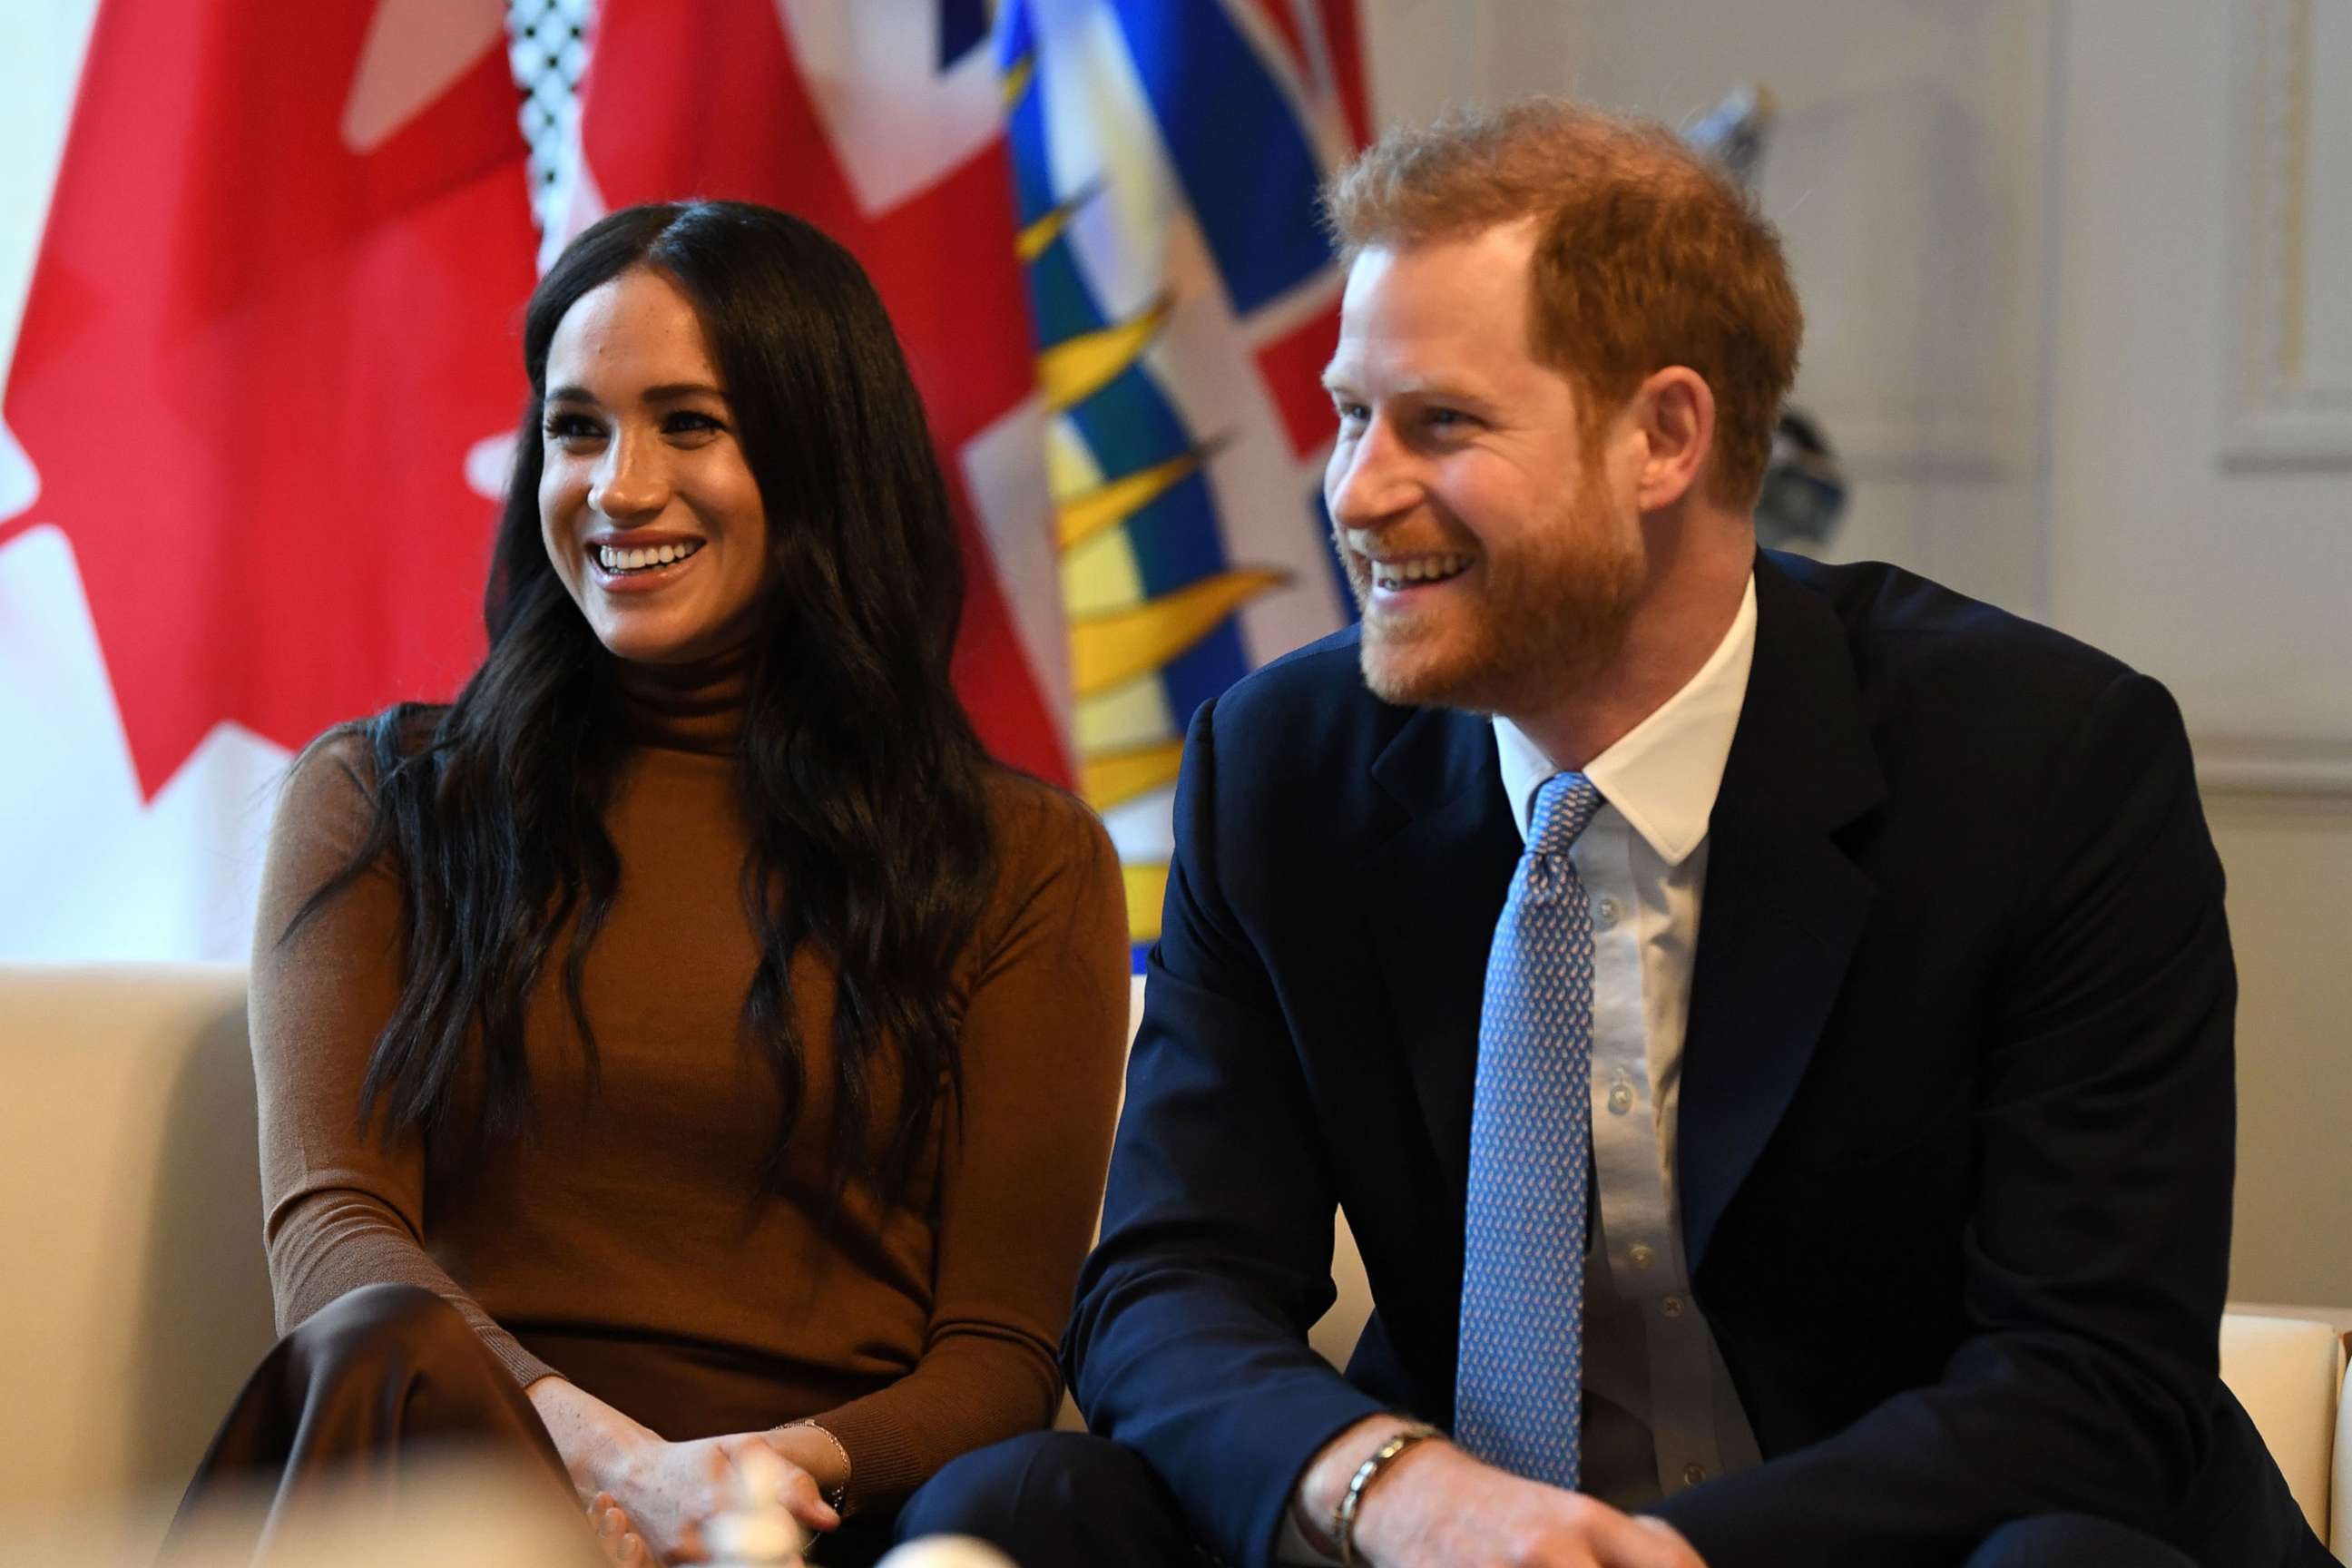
{"x": 1664, "y": 773}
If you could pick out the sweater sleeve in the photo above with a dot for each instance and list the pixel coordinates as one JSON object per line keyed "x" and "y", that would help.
{"x": 1045, "y": 1041}
{"x": 339, "y": 1210}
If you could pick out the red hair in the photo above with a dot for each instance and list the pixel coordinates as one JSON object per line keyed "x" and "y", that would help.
{"x": 1647, "y": 255}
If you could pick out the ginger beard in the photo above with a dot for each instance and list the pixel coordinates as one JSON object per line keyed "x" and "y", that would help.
{"x": 1533, "y": 618}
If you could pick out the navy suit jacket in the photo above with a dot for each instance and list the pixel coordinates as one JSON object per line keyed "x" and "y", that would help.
{"x": 1956, "y": 1111}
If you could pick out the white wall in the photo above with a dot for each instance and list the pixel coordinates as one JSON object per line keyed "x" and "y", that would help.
{"x": 1907, "y": 174}
{"x": 2231, "y": 582}
{"x": 41, "y": 45}
{"x": 2022, "y": 230}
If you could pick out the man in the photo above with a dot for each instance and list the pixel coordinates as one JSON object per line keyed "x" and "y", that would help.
{"x": 1790, "y": 1004}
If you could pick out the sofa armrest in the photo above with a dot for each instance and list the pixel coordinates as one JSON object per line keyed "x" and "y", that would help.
{"x": 2289, "y": 1375}
{"x": 2339, "y": 1489}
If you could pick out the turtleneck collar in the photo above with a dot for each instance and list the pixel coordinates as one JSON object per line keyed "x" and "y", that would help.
{"x": 696, "y": 707}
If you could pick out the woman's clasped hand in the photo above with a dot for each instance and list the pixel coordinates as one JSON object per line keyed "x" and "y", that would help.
{"x": 679, "y": 1488}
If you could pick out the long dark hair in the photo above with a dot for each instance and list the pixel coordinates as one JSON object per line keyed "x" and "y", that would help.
{"x": 862, "y": 784}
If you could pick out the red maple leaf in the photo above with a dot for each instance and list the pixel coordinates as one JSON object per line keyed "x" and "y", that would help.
{"x": 273, "y": 312}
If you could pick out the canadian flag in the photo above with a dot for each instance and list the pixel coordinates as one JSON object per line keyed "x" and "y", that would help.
{"x": 263, "y": 394}
{"x": 882, "y": 123}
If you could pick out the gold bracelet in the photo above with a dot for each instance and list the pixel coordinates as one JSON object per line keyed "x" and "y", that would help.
{"x": 835, "y": 1497}
{"x": 1343, "y": 1521}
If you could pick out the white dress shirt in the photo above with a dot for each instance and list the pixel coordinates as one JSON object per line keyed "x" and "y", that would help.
{"x": 1660, "y": 1411}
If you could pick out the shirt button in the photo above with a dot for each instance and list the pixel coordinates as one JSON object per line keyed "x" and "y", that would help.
{"x": 1621, "y": 1099}
{"x": 1639, "y": 1255}
{"x": 1604, "y": 914}
{"x": 1672, "y": 1306}
{"x": 1694, "y": 1474}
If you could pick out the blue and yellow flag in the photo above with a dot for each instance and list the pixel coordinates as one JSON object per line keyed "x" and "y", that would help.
{"x": 1165, "y": 157}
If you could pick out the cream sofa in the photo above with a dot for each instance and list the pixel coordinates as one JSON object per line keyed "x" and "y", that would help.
{"x": 135, "y": 1299}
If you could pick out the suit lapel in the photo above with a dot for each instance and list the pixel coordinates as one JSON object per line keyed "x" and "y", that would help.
{"x": 1784, "y": 905}
{"x": 1433, "y": 891}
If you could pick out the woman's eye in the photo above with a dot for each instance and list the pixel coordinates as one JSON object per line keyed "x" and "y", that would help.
{"x": 572, "y": 428}
{"x": 688, "y": 421}
{"x": 1351, "y": 412}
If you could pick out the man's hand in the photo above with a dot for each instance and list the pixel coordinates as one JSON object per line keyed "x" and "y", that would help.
{"x": 1436, "y": 1507}
{"x": 1443, "y": 1507}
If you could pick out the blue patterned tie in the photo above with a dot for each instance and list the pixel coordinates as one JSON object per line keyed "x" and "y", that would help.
{"x": 1518, "y": 1384}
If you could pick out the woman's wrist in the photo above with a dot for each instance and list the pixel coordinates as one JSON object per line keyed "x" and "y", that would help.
{"x": 601, "y": 1447}
{"x": 816, "y": 1449}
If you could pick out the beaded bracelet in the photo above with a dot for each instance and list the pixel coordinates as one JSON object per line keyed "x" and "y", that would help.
{"x": 1343, "y": 1521}
{"x": 835, "y": 1496}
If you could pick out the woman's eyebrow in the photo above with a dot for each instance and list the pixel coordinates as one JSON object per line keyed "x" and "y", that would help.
{"x": 668, "y": 392}
{"x": 671, "y": 391}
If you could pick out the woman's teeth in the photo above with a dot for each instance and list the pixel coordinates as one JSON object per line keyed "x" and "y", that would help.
{"x": 619, "y": 560}
{"x": 1418, "y": 569}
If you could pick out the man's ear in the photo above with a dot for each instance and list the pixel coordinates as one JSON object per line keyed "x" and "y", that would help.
{"x": 1673, "y": 413}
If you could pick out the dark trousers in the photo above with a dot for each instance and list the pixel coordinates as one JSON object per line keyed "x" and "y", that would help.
{"x": 2074, "y": 1541}
{"x": 1056, "y": 1500}
{"x": 384, "y": 1379}
{"x": 1059, "y": 1499}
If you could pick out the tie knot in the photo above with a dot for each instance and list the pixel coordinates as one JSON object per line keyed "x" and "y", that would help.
{"x": 1564, "y": 806}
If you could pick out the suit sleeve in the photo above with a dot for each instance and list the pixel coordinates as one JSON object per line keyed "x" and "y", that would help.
{"x": 2096, "y": 1250}
{"x": 339, "y": 1210}
{"x": 1189, "y": 1342}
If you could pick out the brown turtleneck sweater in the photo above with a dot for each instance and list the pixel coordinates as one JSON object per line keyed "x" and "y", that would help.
{"x": 623, "y": 1247}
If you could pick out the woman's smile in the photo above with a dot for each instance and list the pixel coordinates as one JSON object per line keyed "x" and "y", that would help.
{"x": 626, "y": 565}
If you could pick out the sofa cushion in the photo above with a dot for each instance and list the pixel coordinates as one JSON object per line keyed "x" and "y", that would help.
{"x": 138, "y": 1296}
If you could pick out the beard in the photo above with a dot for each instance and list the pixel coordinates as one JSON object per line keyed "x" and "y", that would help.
{"x": 1522, "y": 627}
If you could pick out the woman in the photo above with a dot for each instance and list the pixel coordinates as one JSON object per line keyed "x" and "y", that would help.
{"x": 690, "y": 1005}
